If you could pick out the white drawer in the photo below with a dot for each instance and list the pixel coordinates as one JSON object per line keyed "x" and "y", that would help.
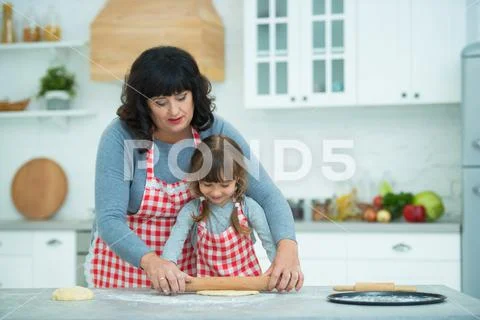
{"x": 318, "y": 272}
{"x": 406, "y": 272}
{"x": 439, "y": 246}
{"x": 324, "y": 246}
{"x": 324, "y": 272}
{"x": 54, "y": 259}
{"x": 16, "y": 242}
{"x": 314, "y": 246}
{"x": 16, "y": 272}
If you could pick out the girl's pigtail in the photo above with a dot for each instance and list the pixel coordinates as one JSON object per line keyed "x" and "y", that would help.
{"x": 235, "y": 222}
{"x": 205, "y": 211}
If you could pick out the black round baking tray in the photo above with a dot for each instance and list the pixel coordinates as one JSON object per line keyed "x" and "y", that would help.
{"x": 386, "y": 298}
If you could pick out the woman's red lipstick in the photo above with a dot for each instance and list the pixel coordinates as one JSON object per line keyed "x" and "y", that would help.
{"x": 175, "y": 120}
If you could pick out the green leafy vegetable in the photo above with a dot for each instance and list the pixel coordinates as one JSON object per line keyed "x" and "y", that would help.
{"x": 394, "y": 203}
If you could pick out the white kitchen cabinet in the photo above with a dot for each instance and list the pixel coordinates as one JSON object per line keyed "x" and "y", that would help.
{"x": 328, "y": 66}
{"x": 299, "y": 53}
{"x": 16, "y": 243}
{"x": 405, "y": 272}
{"x": 54, "y": 259}
{"x": 403, "y": 246}
{"x": 436, "y": 71}
{"x": 318, "y": 272}
{"x": 16, "y": 259}
{"x": 403, "y": 258}
{"x": 383, "y": 52}
{"x": 38, "y": 259}
{"x": 408, "y": 51}
{"x": 323, "y": 258}
{"x": 16, "y": 271}
{"x": 321, "y": 272}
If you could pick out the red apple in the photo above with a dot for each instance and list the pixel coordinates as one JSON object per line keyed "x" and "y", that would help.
{"x": 378, "y": 202}
{"x": 413, "y": 213}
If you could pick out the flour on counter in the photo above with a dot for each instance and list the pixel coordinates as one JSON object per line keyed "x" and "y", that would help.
{"x": 187, "y": 298}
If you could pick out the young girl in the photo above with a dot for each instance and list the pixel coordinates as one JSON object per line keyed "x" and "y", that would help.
{"x": 221, "y": 221}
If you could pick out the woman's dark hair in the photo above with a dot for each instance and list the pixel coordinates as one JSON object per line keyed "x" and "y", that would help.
{"x": 164, "y": 71}
{"x": 222, "y": 149}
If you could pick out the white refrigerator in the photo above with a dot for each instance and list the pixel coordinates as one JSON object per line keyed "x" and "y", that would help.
{"x": 471, "y": 169}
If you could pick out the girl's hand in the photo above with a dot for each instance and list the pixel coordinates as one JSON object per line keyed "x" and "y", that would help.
{"x": 285, "y": 272}
{"x": 164, "y": 275}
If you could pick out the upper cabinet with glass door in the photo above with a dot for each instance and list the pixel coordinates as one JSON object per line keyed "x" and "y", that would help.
{"x": 271, "y": 56}
{"x": 299, "y": 53}
{"x": 328, "y": 53}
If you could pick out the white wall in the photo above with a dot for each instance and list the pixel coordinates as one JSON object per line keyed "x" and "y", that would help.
{"x": 419, "y": 145}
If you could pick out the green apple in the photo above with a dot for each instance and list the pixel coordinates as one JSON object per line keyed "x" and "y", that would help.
{"x": 432, "y": 202}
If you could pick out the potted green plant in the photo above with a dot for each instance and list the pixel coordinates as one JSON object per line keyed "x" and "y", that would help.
{"x": 58, "y": 88}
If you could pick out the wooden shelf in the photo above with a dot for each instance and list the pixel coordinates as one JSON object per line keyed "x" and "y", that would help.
{"x": 47, "y": 114}
{"x": 42, "y": 45}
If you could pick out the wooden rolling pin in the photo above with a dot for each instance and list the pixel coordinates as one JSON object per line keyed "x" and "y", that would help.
{"x": 228, "y": 283}
{"x": 374, "y": 286}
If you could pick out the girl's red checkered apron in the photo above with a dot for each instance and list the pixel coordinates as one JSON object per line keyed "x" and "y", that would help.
{"x": 152, "y": 223}
{"x": 226, "y": 254}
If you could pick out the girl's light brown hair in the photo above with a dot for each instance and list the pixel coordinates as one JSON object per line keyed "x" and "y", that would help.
{"x": 223, "y": 151}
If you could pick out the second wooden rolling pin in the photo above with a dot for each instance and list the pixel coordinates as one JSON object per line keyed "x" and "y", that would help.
{"x": 374, "y": 286}
{"x": 228, "y": 283}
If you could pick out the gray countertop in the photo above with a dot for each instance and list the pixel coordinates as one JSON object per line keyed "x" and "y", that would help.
{"x": 18, "y": 225}
{"x": 441, "y": 226}
{"x": 447, "y": 226}
{"x": 145, "y": 304}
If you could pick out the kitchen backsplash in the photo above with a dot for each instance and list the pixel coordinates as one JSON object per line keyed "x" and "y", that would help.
{"x": 418, "y": 145}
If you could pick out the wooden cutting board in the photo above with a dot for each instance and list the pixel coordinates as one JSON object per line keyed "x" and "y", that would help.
{"x": 39, "y": 188}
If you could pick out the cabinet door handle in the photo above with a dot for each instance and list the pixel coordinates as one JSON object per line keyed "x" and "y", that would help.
{"x": 292, "y": 99}
{"x": 305, "y": 98}
{"x": 404, "y": 94}
{"x": 476, "y": 143}
{"x": 476, "y": 190}
{"x": 54, "y": 242}
{"x": 401, "y": 247}
{"x": 416, "y": 95}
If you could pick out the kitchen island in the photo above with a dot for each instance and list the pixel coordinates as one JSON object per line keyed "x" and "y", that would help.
{"x": 309, "y": 303}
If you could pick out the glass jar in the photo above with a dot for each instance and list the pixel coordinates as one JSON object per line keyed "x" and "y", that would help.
{"x": 52, "y": 30}
{"x": 8, "y": 32}
{"x": 31, "y": 30}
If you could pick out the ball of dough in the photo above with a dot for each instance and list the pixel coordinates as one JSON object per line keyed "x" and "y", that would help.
{"x": 72, "y": 294}
{"x": 228, "y": 293}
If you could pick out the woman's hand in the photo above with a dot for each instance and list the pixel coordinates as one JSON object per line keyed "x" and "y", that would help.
{"x": 285, "y": 272}
{"x": 164, "y": 275}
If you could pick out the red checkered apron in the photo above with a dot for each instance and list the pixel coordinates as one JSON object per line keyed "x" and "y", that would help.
{"x": 226, "y": 254}
{"x": 152, "y": 223}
